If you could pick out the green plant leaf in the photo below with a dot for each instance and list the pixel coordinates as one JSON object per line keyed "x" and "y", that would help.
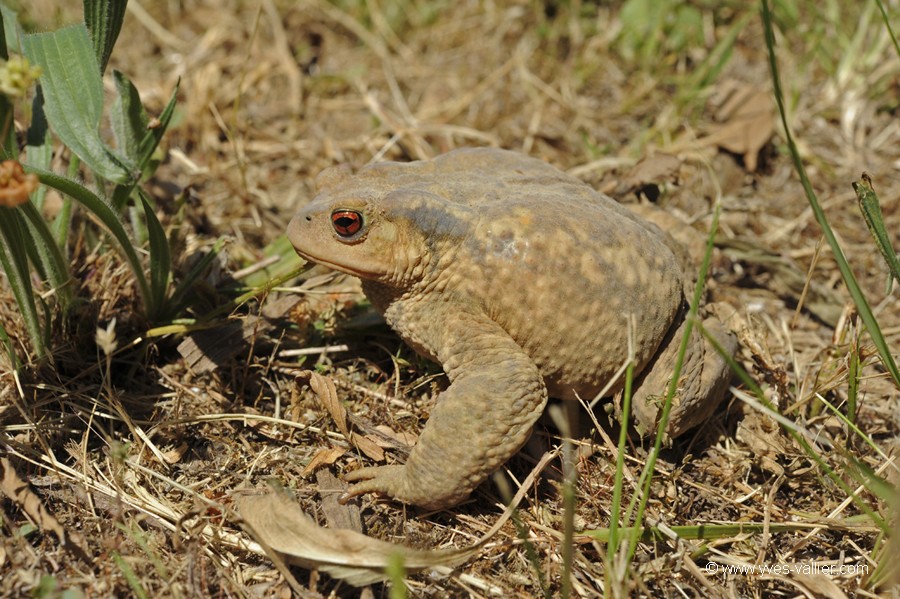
{"x": 14, "y": 258}
{"x": 73, "y": 97}
{"x": 103, "y": 19}
{"x": 4, "y": 51}
{"x": 9, "y": 23}
{"x": 136, "y": 134}
{"x": 49, "y": 250}
{"x": 38, "y": 144}
{"x": 870, "y": 207}
{"x": 887, "y": 25}
{"x": 8, "y": 147}
{"x": 160, "y": 257}
{"x": 12, "y": 33}
{"x": 155, "y": 131}
{"x": 48, "y": 255}
{"x": 10, "y": 349}
{"x": 128, "y": 118}
{"x": 108, "y": 217}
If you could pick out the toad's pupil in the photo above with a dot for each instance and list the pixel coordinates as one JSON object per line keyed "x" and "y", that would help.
{"x": 346, "y": 223}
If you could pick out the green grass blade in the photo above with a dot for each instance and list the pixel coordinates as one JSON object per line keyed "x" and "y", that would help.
{"x": 562, "y": 417}
{"x": 14, "y": 258}
{"x": 288, "y": 262}
{"x": 8, "y": 146}
{"x": 153, "y": 134}
{"x": 709, "y": 69}
{"x": 862, "y": 305}
{"x": 103, "y": 19}
{"x": 855, "y": 429}
{"x": 133, "y": 581}
{"x": 134, "y": 532}
{"x": 73, "y": 97}
{"x": 255, "y": 292}
{"x": 853, "y": 375}
{"x": 396, "y": 570}
{"x": 106, "y": 215}
{"x": 879, "y": 486}
{"x": 49, "y": 251}
{"x": 887, "y": 24}
{"x": 793, "y": 429}
{"x": 615, "y": 534}
{"x": 6, "y": 108}
{"x": 4, "y": 51}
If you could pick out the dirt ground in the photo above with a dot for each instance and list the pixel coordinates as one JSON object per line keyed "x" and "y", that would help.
{"x": 141, "y": 458}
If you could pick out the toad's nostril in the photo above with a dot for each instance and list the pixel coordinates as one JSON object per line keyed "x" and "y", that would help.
{"x": 308, "y": 217}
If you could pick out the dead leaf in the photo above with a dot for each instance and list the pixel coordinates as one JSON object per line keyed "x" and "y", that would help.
{"x": 746, "y": 121}
{"x": 649, "y": 173}
{"x": 367, "y": 446}
{"x": 346, "y": 554}
{"x": 326, "y": 392}
{"x": 819, "y": 585}
{"x": 401, "y": 438}
{"x": 20, "y": 492}
{"x": 766, "y": 440}
{"x": 323, "y": 457}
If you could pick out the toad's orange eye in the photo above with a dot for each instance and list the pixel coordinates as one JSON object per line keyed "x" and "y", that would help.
{"x": 346, "y": 223}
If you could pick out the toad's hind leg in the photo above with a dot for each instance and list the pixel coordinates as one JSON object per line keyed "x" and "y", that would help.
{"x": 480, "y": 421}
{"x": 704, "y": 379}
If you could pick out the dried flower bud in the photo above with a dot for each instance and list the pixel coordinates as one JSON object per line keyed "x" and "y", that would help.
{"x": 15, "y": 184}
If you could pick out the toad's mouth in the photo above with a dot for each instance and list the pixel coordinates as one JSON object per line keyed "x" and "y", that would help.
{"x": 331, "y": 264}
{"x": 356, "y": 271}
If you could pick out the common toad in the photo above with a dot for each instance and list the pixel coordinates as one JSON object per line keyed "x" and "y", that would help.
{"x": 519, "y": 280}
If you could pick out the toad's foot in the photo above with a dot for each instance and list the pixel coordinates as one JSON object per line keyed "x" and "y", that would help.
{"x": 390, "y": 480}
{"x": 704, "y": 380}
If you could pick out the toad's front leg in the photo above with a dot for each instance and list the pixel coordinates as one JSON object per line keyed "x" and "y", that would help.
{"x": 496, "y": 394}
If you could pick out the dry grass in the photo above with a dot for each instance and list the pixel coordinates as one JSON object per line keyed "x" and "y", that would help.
{"x": 139, "y": 455}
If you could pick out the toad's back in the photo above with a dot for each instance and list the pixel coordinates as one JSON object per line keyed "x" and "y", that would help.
{"x": 557, "y": 265}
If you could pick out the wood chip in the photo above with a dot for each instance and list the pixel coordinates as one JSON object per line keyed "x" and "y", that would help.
{"x": 337, "y": 515}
